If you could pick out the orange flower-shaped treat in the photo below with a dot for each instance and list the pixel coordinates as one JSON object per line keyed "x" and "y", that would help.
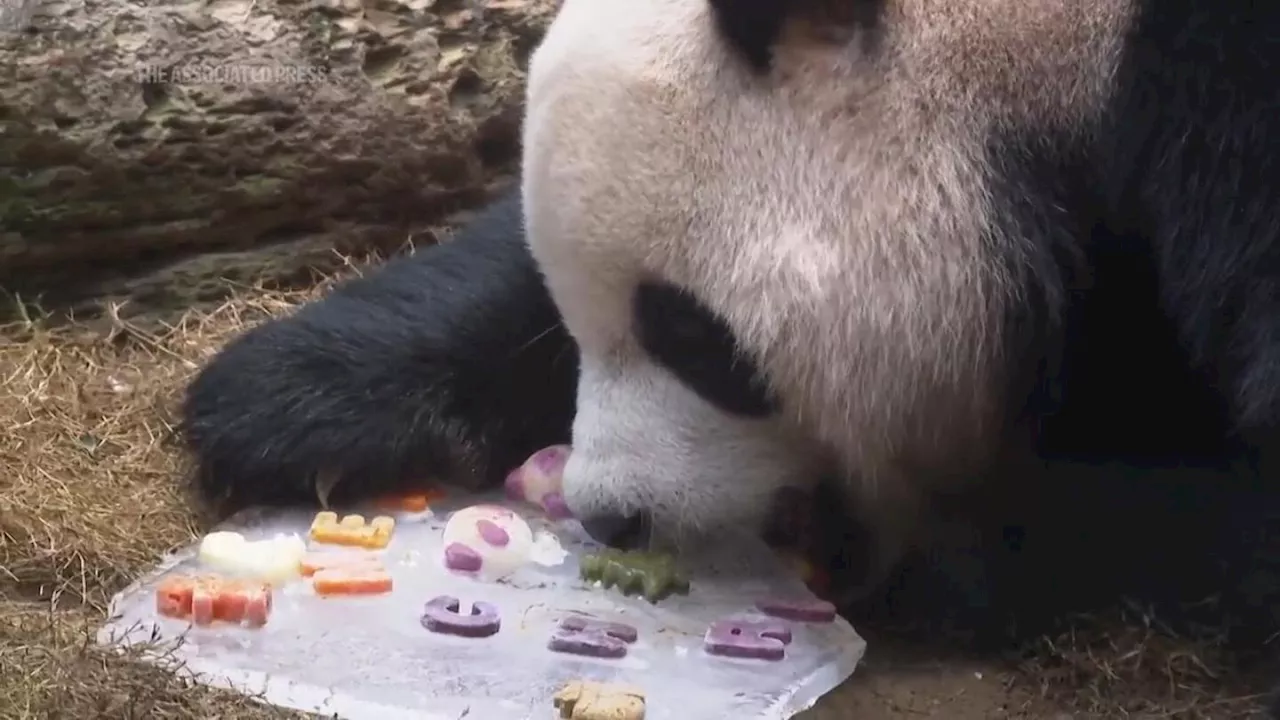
{"x": 204, "y": 599}
{"x": 352, "y": 530}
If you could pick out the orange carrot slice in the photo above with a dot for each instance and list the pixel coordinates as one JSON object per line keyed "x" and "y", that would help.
{"x": 351, "y": 581}
{"x": 206, "y": 599}
{"x": 173, "y": 596}
{"x": 411, "y": 502}
{"x": 203, "y": 606}
{"x": 257, "y": 609}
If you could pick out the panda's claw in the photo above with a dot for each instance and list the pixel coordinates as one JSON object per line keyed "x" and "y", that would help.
{"x": 326, "y": 480}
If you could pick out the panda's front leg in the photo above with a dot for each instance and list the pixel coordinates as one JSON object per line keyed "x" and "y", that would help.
{"x": 450, "y": 365}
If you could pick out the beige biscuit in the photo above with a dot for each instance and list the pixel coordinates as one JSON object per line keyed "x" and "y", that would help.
{"x": 583, "y": 700}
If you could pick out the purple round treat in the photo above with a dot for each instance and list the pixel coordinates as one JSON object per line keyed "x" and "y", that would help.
{"x": 442, "y": 615}
{"x": 491, "y": 533}
{"x": 555, "y": 506}
{"x": 460, "y": 557}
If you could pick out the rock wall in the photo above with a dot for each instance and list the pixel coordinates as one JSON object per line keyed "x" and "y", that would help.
{"x": 153, "y": 150}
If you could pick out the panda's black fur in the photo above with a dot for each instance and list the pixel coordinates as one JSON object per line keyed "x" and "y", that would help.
{"x": 449, "y": 363}
{"x": 1150, "y": 339}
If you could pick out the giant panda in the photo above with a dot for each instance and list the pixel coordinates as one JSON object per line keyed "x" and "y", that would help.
{"x": 999, "y": 277}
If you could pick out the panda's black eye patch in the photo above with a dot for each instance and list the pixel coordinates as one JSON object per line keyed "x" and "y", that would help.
{"x": 696, "y": 346}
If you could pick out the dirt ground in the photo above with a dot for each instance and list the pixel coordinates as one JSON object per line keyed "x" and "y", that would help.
{"x": 899, "y": 682}
{"x": 91, "y": 495}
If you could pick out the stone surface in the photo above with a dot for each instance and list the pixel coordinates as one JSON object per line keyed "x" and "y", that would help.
{"x": 151, "y": 149}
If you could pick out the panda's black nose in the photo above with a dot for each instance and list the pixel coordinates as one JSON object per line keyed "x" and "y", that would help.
{"x": 623, "y": 532}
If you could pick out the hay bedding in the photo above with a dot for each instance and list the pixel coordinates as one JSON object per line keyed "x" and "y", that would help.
{"x": 90, "y": 496}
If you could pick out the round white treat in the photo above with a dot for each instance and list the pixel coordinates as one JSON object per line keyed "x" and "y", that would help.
{"x": 272, "y": 560}
{"x": 500, "y": 538}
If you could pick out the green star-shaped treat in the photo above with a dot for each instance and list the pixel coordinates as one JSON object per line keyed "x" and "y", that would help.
{"x": 653, "y": 576}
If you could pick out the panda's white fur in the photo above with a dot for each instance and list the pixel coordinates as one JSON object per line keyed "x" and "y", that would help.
{"x": 837, "y": 216}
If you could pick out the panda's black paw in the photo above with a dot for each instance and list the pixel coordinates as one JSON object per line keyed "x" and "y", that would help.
{"x": 447, "y": 366}
{"x": 1272, "y": 709}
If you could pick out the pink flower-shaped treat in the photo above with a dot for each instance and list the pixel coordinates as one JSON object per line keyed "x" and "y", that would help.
{"x": 538, "y": 480}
